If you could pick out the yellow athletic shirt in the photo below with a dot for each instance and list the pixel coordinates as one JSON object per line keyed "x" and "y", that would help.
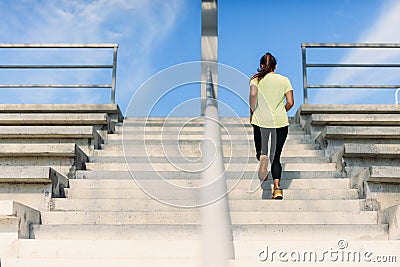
{"x": 270, "y": 110}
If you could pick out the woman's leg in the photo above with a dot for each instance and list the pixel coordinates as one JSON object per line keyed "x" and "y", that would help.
{"x": 262, "y": 171}
{"x": 257, "y": 140}
{"x": 276, "y": 167}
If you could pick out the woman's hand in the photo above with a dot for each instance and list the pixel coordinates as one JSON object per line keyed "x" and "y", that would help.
{"x": 251, "y": 115}
{"x": 289, "y": 100}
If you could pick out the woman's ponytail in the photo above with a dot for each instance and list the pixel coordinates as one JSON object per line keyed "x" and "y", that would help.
{"x": 267, "y": 65}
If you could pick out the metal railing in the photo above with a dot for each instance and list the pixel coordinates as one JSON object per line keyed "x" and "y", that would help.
{"x": 112, "y": 66}
{"x": 216, "y": 222}
{"x": 306, "y": 65}
{"x": 210, "y": 92}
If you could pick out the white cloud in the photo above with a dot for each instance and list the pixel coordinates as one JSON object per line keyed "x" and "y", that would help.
{"x": 138, "y": 26}
{"x": 383, "y": 30}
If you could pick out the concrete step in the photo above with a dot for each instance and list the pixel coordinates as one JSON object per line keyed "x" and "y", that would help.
{"x": 23, "y": 174}
{"x": 54, "y": 119}
{"x": 15, "y": 221}
{"x": 40, "y": 150}
{"x": 116, "y": 232}
{"x": 338, "y": 217}
{"x": 59, "y": 156}
{"x": 191, "y": 123}
{"x": 189, "y": 119}
{"x": 32, "y": 186}
{"x": 61, "y": 262}
{"x": 246, "y": 120}
{"x": 127, "y": 130}
{"x": 319, "y": 246}
{"x": 306, "y": 194}
{"x": 132, "y": 148}
{"x": 241, "y": 232}
{"x": 183, "y": 217}
{"x": 46, "y": 131}
{"x": 242, "y": 205}
{"x": 186, "y": 141}
{"x": 375, "y": 151}
{"x": 190, "y": 217}
{"x": 384, "y": 174}
{"x": 360, "y": 132}
{"x": 128, "y": 136}
{"x": 309, "y": 232}
{"x": 190, "y": 152}
{"x": 187, "y": 253}
{"x": 311, "y": 174}
{"x": 115, "y": 151}
{"x": 111, "y": 109}
{"x": 120, "y": 159}
{"x": 309, "y": 109}
{"x": 176, "y": 193}
{"x": 319, "y": 183}
{"x": 355, "y": 119}
{"x": 51, "y": 132}
{"x": 196, "y": 167}
{"x": 106, "y": 249}
{"x": 197, "y": 125}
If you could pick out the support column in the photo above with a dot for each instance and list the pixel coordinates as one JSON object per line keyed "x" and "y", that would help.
{"x": 209, "y": 46}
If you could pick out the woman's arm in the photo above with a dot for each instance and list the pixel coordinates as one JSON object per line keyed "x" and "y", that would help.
{"x": 253, "y": 99}
{"x": 289, "y": 100}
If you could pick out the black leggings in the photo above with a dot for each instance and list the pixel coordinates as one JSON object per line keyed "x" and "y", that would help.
{"x": 278, "y": 138}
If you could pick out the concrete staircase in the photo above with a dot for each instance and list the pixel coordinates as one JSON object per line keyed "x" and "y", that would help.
{"x": 107, "y": 218}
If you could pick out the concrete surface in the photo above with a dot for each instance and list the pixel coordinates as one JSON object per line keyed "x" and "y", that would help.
{"x": 112, "y": 110}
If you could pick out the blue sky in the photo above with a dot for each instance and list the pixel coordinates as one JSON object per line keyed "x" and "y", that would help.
{"x": 157, "y": 34}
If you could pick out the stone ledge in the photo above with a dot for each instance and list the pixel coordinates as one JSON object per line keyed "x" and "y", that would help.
{"x": 23, "y": 174}
{"x": 112, "y": 110}
{"x": 391, "y": 216}
{"x": 360, "y": 132}
{"x": 40, "y": 150}
{"x": 34, "y": 175}
{"x": 22, "y": 217}
{"x": 384, "y": 175}
{"x": 100, "y": 120}
{"x": 53, "y": 119}
{"x": 376, "y": 174}
{"x": 383, "y": 151}
{"x": 308, "y": 109}
{"x": 67, "y": 157}
{"x": 378, "y": 185}
{"x": 52, "y": 132}
{"x": 355, "y": 119}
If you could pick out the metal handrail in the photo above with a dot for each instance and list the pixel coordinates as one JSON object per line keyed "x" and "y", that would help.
{"x": 58, "y": 45}
{"x": 306, "y": 65}
{"x": 112, "y": 66}
{"x": 210, "y": 92}
{"x": 215, "y": 212}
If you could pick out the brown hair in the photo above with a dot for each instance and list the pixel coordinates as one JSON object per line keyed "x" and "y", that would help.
{"x": 267, "y": 65}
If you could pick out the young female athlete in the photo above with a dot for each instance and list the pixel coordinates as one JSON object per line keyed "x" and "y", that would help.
{"x": 268, "y": 115}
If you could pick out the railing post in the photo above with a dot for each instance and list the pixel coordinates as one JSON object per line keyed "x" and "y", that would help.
{"x": 114, "y": 75}
{"x": 304, "y": 59}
